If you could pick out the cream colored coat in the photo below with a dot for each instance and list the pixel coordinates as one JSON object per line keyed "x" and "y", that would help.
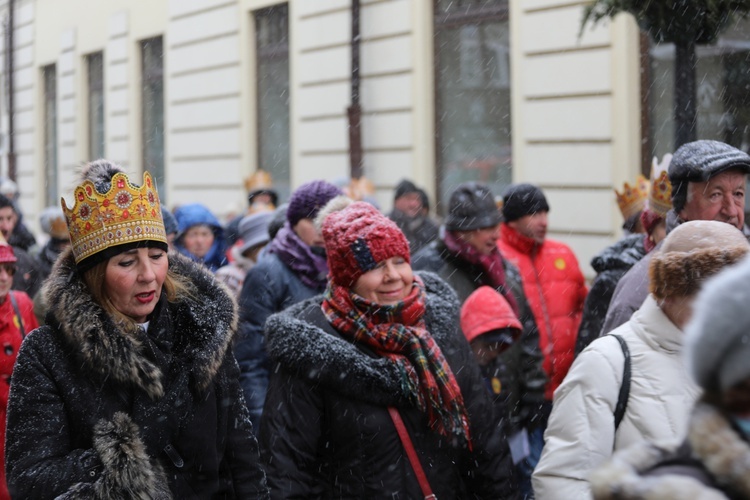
{"x": 581, "y": 434}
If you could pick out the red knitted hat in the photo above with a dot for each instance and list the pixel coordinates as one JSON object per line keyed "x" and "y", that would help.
{"x": 6, "y": 252}
{"x": 486, "y": 310}
{"x": 357, "y": 238}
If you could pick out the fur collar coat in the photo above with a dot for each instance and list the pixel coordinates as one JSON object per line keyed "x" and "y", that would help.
{"x": 713, "y": 463}
{"x": 96, "y": 411}
{"x": 326, "y": 431}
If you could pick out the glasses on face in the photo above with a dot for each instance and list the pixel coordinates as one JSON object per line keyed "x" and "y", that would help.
{"x": 10, "y": 269}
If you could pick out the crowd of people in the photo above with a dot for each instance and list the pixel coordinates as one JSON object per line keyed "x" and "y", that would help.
{"x": 322, "y": 348}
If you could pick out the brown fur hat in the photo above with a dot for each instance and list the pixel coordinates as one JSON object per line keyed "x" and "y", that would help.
{"x": 691, "y": 253}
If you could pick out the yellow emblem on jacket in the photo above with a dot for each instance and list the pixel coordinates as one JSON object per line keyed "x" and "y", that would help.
{"x": 496, "y": 385}
{"x": 560, "y": 263}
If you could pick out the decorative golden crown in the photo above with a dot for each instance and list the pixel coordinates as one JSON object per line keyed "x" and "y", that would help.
{"x": 660, "y": 199}
{"x": 632, "y": 199}
{"x": 260, "y": 179}
{"x": 124, "y": 214}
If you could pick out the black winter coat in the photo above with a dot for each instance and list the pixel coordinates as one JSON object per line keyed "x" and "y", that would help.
{"x": 270, "y": 287}
{"x": 326, "y": 431}
{"x": 95, "y": 412}
{"x": 526, "y": 377}
{"x": 610, "y": 265}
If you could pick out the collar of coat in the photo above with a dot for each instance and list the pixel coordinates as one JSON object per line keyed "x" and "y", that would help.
{"x": 302, "y": 342}
{"x": 713, "y": 442}
{"x": 204, "y": 324}
{"x": 512, "y": 237}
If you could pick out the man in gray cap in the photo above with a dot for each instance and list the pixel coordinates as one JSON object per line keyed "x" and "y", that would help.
{"x": 708, "y": 183}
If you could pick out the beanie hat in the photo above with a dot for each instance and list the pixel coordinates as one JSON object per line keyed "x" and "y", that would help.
{"x": 357, "y": 238}
{"x": 170, "y": 223}
{"x": 254, "y": 229}
{"x": 7, "y": 255}
{"x": 717, "y": 339}
{"x": 52, "y": 222}
{"x": 472, "y": 206}
{"x": 308, "y": 199}
{"x": 523, "y": 199}
{"x": 405, "y": 187}
{"x": 691, "y": 253}
{"x": 486, "y": 310}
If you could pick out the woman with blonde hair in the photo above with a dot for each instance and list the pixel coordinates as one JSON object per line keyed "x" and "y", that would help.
{"x": 131, "y": 390}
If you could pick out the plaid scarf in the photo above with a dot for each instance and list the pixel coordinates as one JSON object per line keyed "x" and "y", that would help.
{"x": 398, "y": 333}
{"x": 492, "y": 265}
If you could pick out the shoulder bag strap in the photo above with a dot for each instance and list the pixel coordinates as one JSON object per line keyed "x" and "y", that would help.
{"x": 411, "y": 453}
{"x": 18, "y": 313}
{"x": 622, "y": 398}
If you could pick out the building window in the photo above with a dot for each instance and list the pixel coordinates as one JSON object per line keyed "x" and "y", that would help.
{"x": 272, "y": 45}
{"x": 722, "y": 79}
{"x": 152, "y": 110}
{"x": 49, "y": 74}
{"x": 95, "y": 73}
{"x": 472, "y": 109}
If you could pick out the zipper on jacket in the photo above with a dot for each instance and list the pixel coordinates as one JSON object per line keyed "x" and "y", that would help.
{"x": 174, "y": 456}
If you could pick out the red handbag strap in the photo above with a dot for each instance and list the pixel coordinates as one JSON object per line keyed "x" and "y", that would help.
{"x": 411, "y": 454}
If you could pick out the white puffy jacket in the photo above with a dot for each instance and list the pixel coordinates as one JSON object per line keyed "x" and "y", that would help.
{"x": 581, "y": 434}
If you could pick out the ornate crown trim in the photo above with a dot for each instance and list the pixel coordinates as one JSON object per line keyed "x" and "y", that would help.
{"x": 632, "y": 199}
{"x": 124, "y": 214}
{"x": 660, "y": 198}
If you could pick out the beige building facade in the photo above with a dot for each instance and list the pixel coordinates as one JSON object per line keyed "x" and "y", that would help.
{"x": 575, "y": 102}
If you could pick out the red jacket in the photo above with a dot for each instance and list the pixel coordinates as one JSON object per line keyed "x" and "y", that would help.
{"x": 556, "y": 290}
{"x": 10, "y": 343}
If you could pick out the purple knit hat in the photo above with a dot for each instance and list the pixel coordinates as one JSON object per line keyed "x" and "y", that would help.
{"x": 308, "y": 199}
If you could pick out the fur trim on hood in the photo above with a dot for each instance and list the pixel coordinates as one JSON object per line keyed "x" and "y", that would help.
{"x": 302, "y": 342}
{"x": 713, "y": 448}
{"x": 204, "y": 322}
{"x": 683, "y": 273}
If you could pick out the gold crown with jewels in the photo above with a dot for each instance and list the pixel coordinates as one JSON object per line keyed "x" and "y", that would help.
{"x": 660, "y": 197}
{"x": 632, "y": 199}
{"x": 124, "y": 214}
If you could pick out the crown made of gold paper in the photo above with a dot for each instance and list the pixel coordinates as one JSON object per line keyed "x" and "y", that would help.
{"x": 124, "y": 214}
{"x": 632, "y": 199}
{"x": 260, "y": 179}
{"x": 660, "y": 198}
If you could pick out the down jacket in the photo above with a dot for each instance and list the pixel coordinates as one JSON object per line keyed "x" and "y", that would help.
{"x": 96, "y": 412}
{"x": 326, "y": 431}
{"x": 556, "y": 290}
{"x": 610, "y": 265}
{"x": 581, "y": 433}
{"x": 713, "y": 463}
{"x": 10, "y": 339}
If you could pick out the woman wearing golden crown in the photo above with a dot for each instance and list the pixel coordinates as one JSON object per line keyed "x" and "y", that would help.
{"x": 131, "y": 390}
